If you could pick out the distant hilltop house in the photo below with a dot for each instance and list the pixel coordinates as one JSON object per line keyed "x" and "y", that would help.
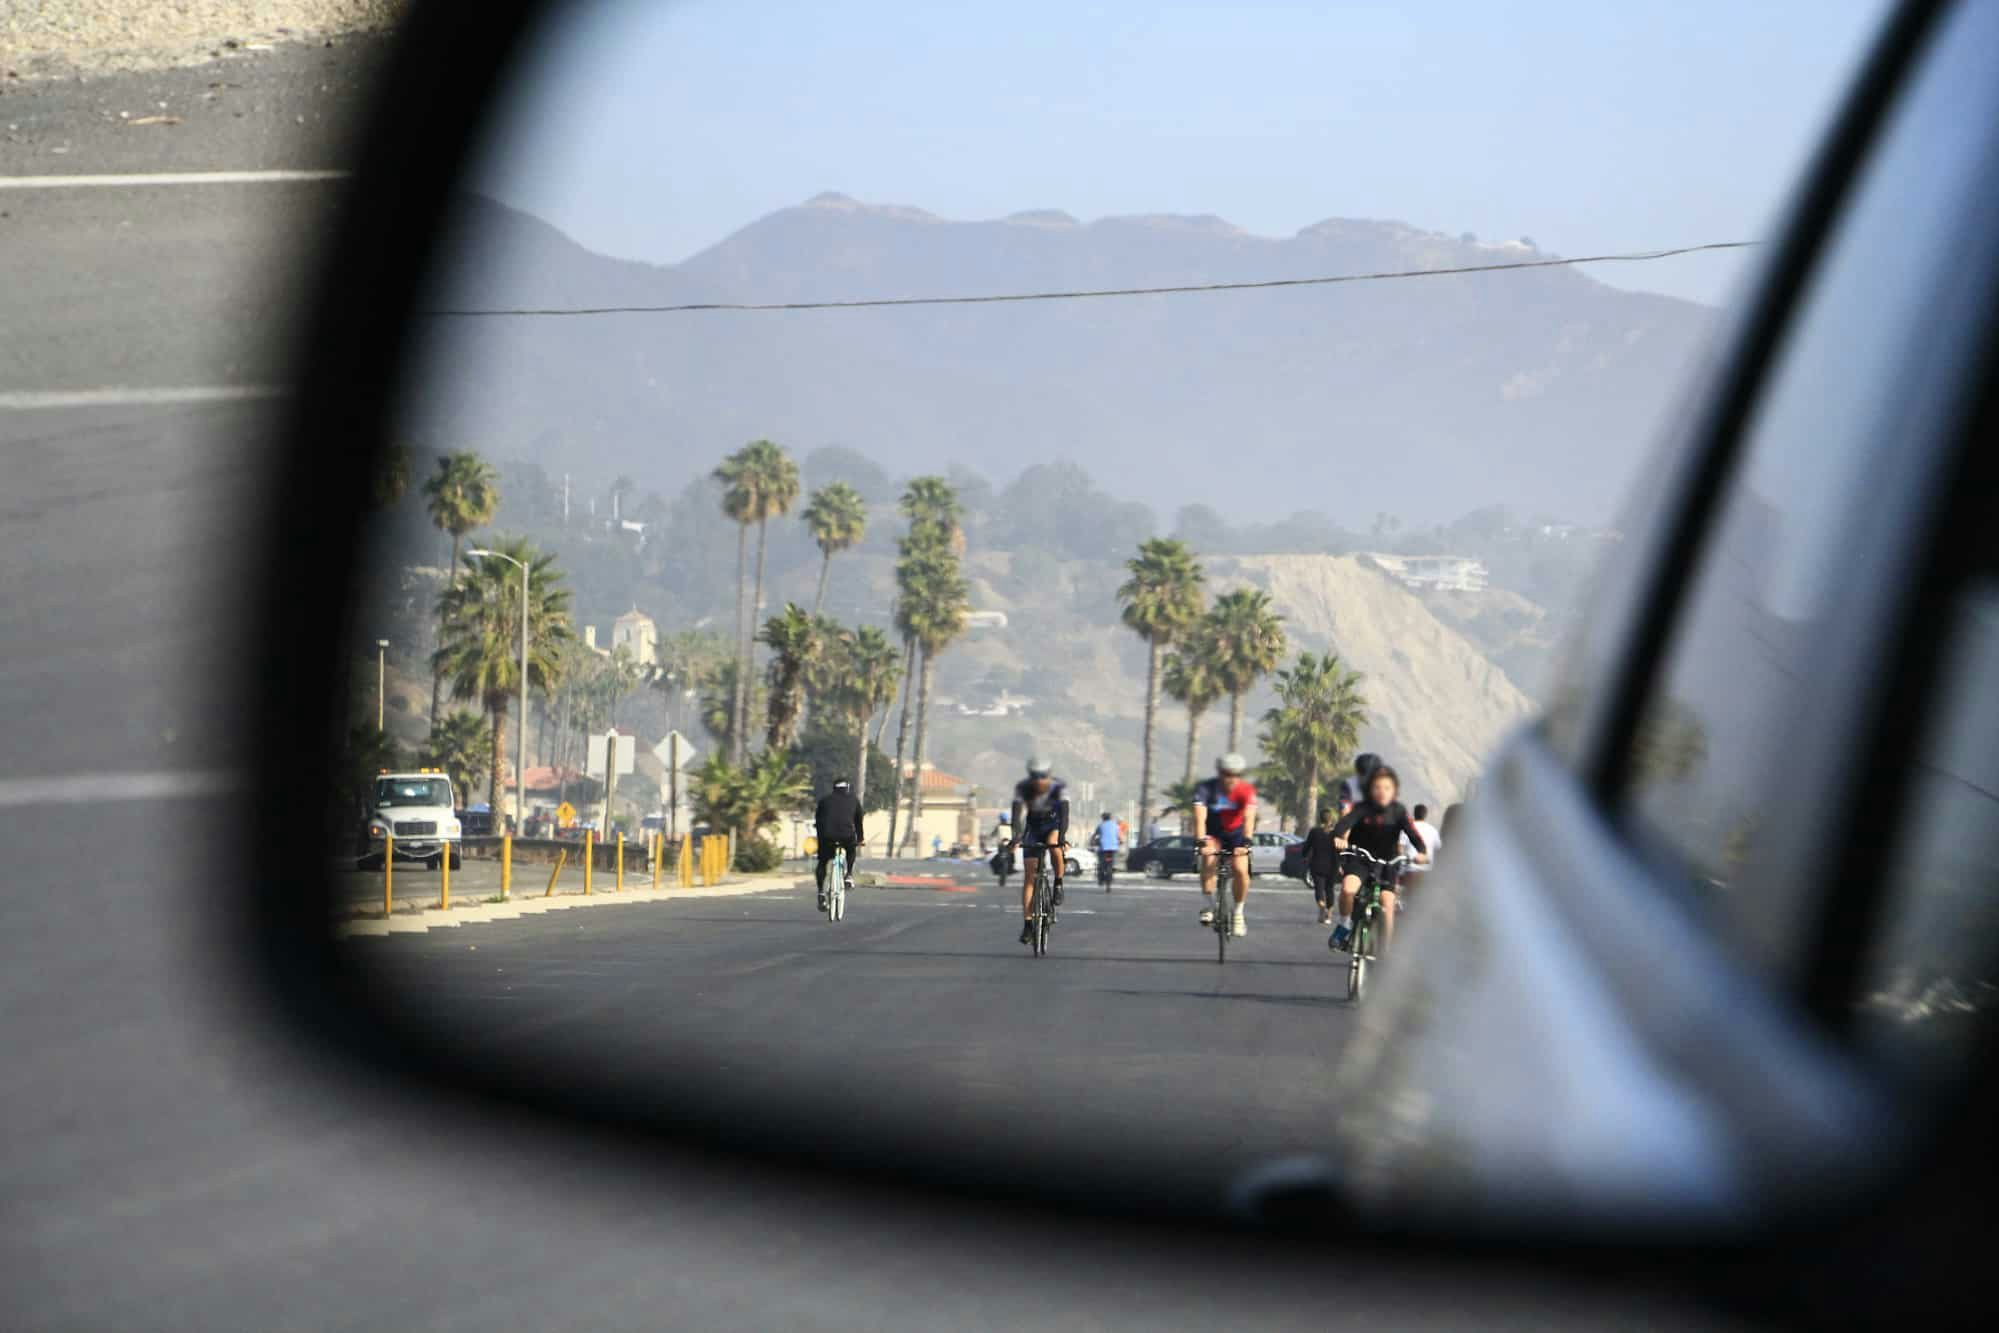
{"x": 633, "y": 631}
{"x": 1005, "y": 704}
{"x": 985, "y": 620}
{"x": 1442, "y": 573}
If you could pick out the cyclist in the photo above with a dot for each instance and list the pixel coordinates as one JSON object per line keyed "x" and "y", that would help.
{"x": 1041, "y": 819}
{"x": 1353, "y": 788}
{"x": 1225, "y": 820}
{"x": 838, "y": 824}
{"x": 1105, "y": 842}
{"x": 1377, "y": 825}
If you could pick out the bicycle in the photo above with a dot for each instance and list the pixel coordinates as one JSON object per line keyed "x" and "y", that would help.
{"x": 1042, "y": 915}
{"x": 1366, "y": 904}
{"x": 1224, "y": 922}
{"x": 839, "y": 879}
{"x": 1106, "y": 868}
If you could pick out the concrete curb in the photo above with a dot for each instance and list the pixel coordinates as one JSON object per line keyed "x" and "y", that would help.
{"x": 432, "y": 918}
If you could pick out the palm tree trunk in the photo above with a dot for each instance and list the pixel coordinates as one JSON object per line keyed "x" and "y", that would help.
{"x": 737, "y": 706}
{"x": 750, "y": 639}
{"x": 901, "y": 735}
{"x": 861, "y": 762}
{"x": 437, "y": 669}
{"x": 1235, "y": 721}
{"x": 1151, "y": 716}
{"x": 499, "y": 749}
{"x": 916, "y": 760}
{"x": 1193, "y": 743}
{"x": 825, "y": 568}
{"x": 1310, "y": 814}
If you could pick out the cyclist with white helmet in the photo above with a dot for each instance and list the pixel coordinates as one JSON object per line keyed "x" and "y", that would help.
{"x": 1040, "y": 819}
{"x": 1224, "y": 821}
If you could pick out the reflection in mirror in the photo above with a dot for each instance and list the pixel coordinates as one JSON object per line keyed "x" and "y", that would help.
{"x": 693, "y": 516}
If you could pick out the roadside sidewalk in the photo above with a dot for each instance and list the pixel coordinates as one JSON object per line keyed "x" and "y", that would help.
{"x": 429, "y": 916}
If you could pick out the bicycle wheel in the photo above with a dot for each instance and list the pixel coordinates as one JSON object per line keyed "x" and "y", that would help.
{"x": 1041, "y": 894}
{"x": 1363, "y": 940}
{"x": 836, "y": 877}
{"x": 1221, "y": 932}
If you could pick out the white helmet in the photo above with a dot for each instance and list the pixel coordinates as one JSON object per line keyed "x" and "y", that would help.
{"x": 1231, "y": 763}
{"x": 1038, "y": 767}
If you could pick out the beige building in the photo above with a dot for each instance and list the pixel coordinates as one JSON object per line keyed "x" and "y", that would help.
{"x": 950, "y": 817}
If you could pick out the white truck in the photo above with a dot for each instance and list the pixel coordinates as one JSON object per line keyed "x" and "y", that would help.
{"x": 421, "y": 811}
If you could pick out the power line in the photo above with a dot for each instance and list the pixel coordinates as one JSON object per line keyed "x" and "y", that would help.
{"x": 697, "y": 307}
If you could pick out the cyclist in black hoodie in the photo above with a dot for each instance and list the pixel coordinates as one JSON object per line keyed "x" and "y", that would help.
{"x": 838, "y": 823}
{"x": 1377, "y": 826}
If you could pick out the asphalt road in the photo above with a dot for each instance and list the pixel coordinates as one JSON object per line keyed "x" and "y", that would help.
{"x": 174, "y": 1161}
{"x": 921, "y": 1014}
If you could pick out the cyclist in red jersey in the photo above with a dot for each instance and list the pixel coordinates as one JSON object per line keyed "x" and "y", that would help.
{"x": 1224, "y": 820}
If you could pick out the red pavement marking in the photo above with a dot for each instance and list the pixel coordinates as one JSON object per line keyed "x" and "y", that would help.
{"x": 926, "y": 882}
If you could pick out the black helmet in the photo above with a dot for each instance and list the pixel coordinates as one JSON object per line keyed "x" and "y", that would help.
{"x": 1366, "y": 763}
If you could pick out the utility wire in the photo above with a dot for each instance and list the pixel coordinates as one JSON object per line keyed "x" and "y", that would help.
{"x": 696, "y": 307}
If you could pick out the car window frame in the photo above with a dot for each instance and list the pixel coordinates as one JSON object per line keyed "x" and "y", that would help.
{"x": 1934, "y": 391}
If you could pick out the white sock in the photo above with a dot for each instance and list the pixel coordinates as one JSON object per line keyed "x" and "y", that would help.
{"x": 1346, "y": 923}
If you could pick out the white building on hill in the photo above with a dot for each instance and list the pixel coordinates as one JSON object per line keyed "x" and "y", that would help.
{"x": 1443, "y": 573}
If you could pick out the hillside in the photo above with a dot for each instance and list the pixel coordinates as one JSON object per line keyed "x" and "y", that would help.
{"x": 1465, "y": 391}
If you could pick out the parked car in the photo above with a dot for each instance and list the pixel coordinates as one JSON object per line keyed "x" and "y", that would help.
{"x": 1271, "y": 853}
{"x": 1163, "y": 858}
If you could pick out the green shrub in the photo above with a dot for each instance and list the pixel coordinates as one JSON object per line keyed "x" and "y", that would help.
{"x": 756, "y": 855}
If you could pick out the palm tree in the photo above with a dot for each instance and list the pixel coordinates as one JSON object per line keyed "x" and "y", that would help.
{"x": 479, "y": 645}
{"x": 872, "y": 671}
{"x": 934, "y": 511}
{"x": 748, "y": 798}
{"x": 1314, "y": 725}
{"x": 719, "y": 700}
{"x": 763, "y": 484}
{"x": 932, "y": 507}
{"x": 459, "y": 745}
{"x": 1162, "y": 601}
{"x": 462, "y": 494}
{"x": 1248, "y": 640}
{"x": 739, "y": 502}
{"x": 936, "y": 615}
{"x": 837, "y": 518}
{"x": 796, "y": 641}
{"x": 1188, "y": 676}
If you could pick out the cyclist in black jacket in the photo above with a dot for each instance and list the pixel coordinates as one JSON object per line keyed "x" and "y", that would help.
{"x": 838, "y": 823}
{"x": 1376, "y": 826}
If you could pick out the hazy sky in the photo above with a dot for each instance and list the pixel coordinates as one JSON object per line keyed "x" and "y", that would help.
{"x": 653, "y": 130}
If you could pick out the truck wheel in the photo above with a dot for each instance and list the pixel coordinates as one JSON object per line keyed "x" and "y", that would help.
{"x": 455, "y": 861}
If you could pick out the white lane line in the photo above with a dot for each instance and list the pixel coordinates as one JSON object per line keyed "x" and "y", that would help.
{"x": 90, "y": 788}
{"x": 152, "y": 178}
{"x": 25, "y": 400}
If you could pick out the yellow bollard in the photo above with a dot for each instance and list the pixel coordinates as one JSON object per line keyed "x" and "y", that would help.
{"x": 618, "y": 884}
{"x": 561, "y": 860}
{"x": 389, "y": 875}
{"x": 683, "y": 863}
{"x": 658, "y": 856}
{"x": 589, "y": 858}
{"x": 506, "y": 864}
{"x": 444, "y": 869}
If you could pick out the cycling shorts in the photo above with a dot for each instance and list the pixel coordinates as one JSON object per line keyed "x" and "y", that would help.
{"x": 1229, "y": 840}
{"x": 1361, "y": 868}
{"x": 1036, "y": 832}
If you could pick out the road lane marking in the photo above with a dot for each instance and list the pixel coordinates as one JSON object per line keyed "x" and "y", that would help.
{"x": 155, "y": 178}
{"x": 90, "y": 788}
{"x": 45, "y": 400}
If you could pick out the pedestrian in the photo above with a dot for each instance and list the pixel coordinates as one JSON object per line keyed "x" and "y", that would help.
{"x": 1322, "y": 865}
{"x": 1415, "y": 874}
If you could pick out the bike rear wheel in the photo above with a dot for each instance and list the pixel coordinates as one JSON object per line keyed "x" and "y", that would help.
{"x": 1042, "y": 894}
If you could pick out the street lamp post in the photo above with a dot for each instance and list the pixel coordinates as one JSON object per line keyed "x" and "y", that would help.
{"x": 381, "y": 680}
{"x": 521, "y": 727}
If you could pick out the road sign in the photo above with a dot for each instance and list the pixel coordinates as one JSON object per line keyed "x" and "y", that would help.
{"x": 565, "y": 814}
{"x": 664, "y": 751}
{"x": 627, "y": 754}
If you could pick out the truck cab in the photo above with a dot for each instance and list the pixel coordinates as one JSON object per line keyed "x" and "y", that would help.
{"x": 420, "y": 809}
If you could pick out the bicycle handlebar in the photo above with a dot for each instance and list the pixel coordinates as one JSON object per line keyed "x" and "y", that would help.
{"x": 1365, "y": 854}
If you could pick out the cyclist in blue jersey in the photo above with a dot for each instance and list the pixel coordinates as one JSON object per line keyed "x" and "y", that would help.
{"x": 1040, "y": 819}
{"x": 1106, "y": 842}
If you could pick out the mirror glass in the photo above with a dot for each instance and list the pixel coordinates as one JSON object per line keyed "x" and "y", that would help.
{"x": 927, "y": 400}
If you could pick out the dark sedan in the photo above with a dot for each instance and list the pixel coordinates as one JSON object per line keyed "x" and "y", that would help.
{"x": 1163, "y": 858}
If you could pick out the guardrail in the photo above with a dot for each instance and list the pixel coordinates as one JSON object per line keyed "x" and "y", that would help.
{"x": 703, "y": 860}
